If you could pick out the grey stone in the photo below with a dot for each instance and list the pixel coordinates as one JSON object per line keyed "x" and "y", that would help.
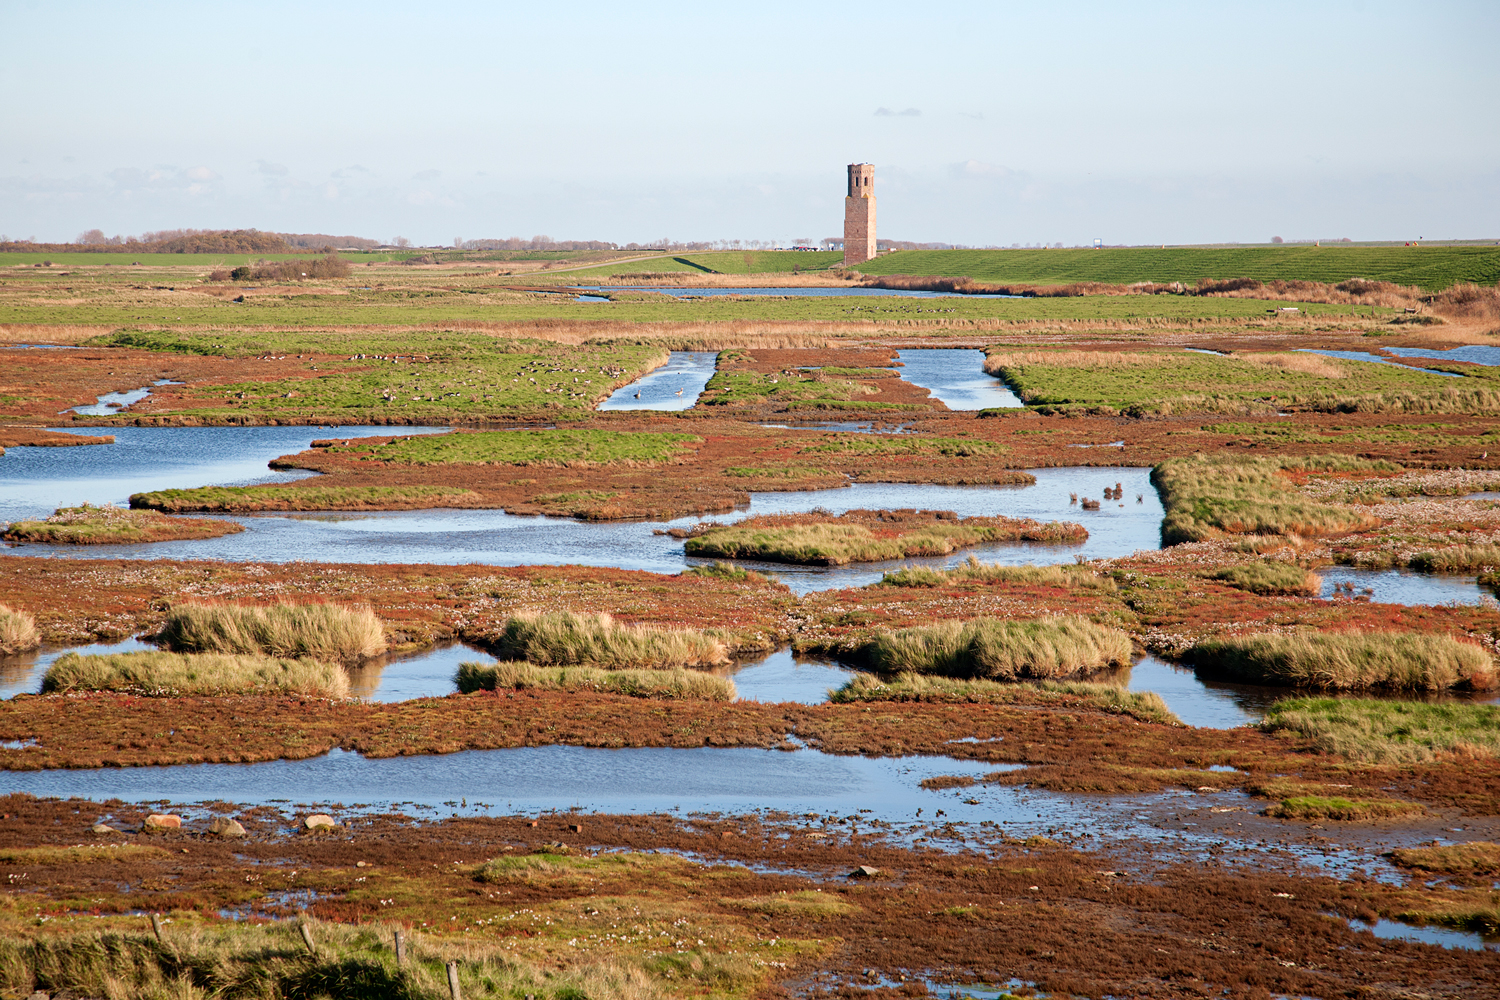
{"x": 226, "y": 827}
{"x": 864, "y": 871}
{"x": 320, "y": 821}
{"x": 100, "y": 829}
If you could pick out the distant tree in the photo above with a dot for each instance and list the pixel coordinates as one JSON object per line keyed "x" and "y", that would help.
{"x": 401, "y": 241}
{"x": 91, "y": 236}
{"x": 1277, "y": 239}
{"x": 458, "y": 242}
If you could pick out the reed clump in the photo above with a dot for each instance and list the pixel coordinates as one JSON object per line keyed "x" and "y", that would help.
{"x": 1000, "y": 649}
{"x": 18, "y": 631}
{"x": 1271, "y": 578}
{"x": 1065, "y": 577}
{"x": 1457, "y": 559}
{"x": 181, "y": 674}
{"x": 565, "y": 638}
{"x": 1348, "y": 661}
{"x": 668, "y": 684}
{"x": 1376, "y": 731}
{"x": 322, "y": 631}
{"x": 1147, "y": 706}
{"x": 1207, "y": 497}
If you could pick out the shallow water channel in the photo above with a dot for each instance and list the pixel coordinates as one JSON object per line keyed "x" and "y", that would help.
{"x": 957, "y": 377}
{"x": 676, "y": 385}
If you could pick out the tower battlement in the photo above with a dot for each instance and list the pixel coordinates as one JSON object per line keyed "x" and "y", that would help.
{"x": 859, "y": 214}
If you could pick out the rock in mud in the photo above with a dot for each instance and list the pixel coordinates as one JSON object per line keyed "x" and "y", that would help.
{"x": 864, "y": 871}
{"x": 223, "y": 826}
{"x": 320, "y": 821}
{"x": 161, "y": 821}
{"x": 100, "y": 829}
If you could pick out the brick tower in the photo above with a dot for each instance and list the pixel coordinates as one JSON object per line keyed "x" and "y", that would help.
{"x": 859, "y": 214}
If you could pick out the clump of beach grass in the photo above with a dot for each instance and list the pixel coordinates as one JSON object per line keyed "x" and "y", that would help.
{"x": 1376, "y": 731}
{"x": 565, "y": 638}
{"x": 1065, "y": 577}
{"x": 1207, "y": 497}
{"x": 1476, "y": 859}
{"x": 1340, "y": 809}
{"x": 508, "y": 675}
{"x": 181, "y": 674}
{"x": 1146, "y": 706}
{"x": 1000, "y": 649}
{"x": 17, "y": 631}
{"x": 1457, "y": 559}
{"x": 323, "y": 631}
{"x": 1269, "y": 577}
{"x": 1348, "y": 661}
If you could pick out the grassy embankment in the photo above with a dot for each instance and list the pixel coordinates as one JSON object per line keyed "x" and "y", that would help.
{"x": 244, "y": 499}
{"x": 1162, "y": 383}
{"x": 1388, "y": 732}
{"x": 1348, "y": 661}
{"x": 1146, "y": 706}
{"x": 175, "y": 675}
{"x": 868, "y": 536}
{"x": 809, "y": 390}
{"x": 1206, "y": 497}
{"x": 321, "y": 631}
{"x": 18, "y": 631}
{"x": 1431, "y": 267}
{"x": 999, "y": 649}
{"x": 661, "y": 683}
{"x": 113, "y": 526}
{"x": 567, "y": 639}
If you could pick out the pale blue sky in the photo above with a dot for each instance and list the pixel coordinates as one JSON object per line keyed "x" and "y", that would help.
{"x": 1036, "y": 122}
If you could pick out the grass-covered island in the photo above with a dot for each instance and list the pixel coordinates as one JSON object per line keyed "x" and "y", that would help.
{"x": 107, "y": 525}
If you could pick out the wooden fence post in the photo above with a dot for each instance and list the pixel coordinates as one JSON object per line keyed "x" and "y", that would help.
{"x": 453, "y": 981}
{"x": 156, "y": 927}
{"x": 307, "y": 938}
{"x": 400, "y": 948}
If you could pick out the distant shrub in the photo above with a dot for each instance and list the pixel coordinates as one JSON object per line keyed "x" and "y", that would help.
{"x": 241, "y": 273}
{"x": 17, "y": 631}
{"x": 331, "y": 266}
{"x": 219, "y": 275}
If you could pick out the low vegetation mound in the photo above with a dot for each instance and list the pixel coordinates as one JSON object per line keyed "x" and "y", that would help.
{"x": 109, "y": 525}
{"x": 179, "y": 674}
{"x": 550, "y": 447}
{"x": 245, "y": 499}
{"x": 904, "y": 444}
{"x": 1484, "y": 559}
{"x": 1205, "y": 497}
{"x": 325, "y": 631}
{"x": 1476, "y": 859}
{"x": 1000, "y": 649}
{"x": 564, "y": 638}
{"x": 1340, "y": 809}
{"x": 17, "y": 632}
{"x": 1269, "y": 577}
{"x": 867, "y": 536}
{"x": 669, "y": 684}
{"x": 1066, "y": 577}
{"x": 1146, "y": 706}
{"x": 1348, "y": 661}
{"x": 1388, "y": 732}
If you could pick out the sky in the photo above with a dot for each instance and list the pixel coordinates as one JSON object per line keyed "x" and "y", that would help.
{"x": 989, "y": 124}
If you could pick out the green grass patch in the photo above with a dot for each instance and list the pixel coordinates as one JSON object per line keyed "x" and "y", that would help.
{"x": 812, "y": 903}
{"x": 1431, "y": 267}
{"x": 1208, "y": 496}
{"x": 1333, "y": 807}
{"x": 88, "y": 525}
{"x": 737, "y": 387}
{"x": 1269, "y": 577}
{"x": 80, "y": 854}
{"x": 1476, "y": 859}
{"x": 174, "y": 675}
{"x": 564, "y": 638}
{"x": 903, "y": 444}
{"x": 833, "y": 543}
{"x": 1000, "y": 649}
{"x": 244, "y": 499}
{"x": 1146, "y": 706}
{"x": 1388, "y": 732}
{"x": 1065, "y": 577}
{"x": 1347, "y": 661}
{"x": 323, "y": 631}
{"x": 529, "y": 447}
{"x": 666, "y": 684}
{"x": 1433, "y": 435}
{"x": 564, "y": 869}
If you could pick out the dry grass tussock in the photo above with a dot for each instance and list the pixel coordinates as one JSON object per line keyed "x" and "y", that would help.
{"x": 1307, "y": 364}
{"x": 1066, "y": 577}
{"x": 1468, "y": 301}
{"x": 17, "y": 631}
{"x": 1146, "y": 706}
{"x": 564, "y": 638}
{"x": 46, "y": 333}
{"x": 1348, "y": 661}
{"x": 252, "y": 960}
{"x": 1000, "y": 649}
{"x": 1457, "y": 559}
{"x": 323, "y": 631}
{"x": 180, "y": 674}
{"x": 998, "y": 360}
{"x": 1389, "y": 732}
{"x": 1270, "y": 577}
{"x": 1480, "y": 859}
{"x": 670, "y": 684}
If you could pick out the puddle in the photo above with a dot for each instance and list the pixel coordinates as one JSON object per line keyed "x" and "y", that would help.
{"x": 427, "y": 673}
{"x": 274, "y": 905}
{"x": 36, "y": 481}
{"x": 1443, "y": 937}
{"x": 957, "y": 377}
{"x": 1366, "y": 356}
{"x": 1402, "y": 586}
{"x": 783, "y": 676}
{"x": 682, "y": 291}
{"x": 1479, "y": 354}
{"x": 1208, "y": 704}
{"x": 495, "y": 538}
{"x": 676, "y": 385}
{"x": 23, "y": 674}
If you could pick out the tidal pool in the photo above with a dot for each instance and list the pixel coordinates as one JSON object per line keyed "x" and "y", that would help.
{"x": 957, "y": 377}
{"x": 36, "y": 481}
{"x": 1367, "y": 356}
{"x": 1403, "y": 586}
{"x": 676, "y": 385}
{"x": 1479, "y": 354}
